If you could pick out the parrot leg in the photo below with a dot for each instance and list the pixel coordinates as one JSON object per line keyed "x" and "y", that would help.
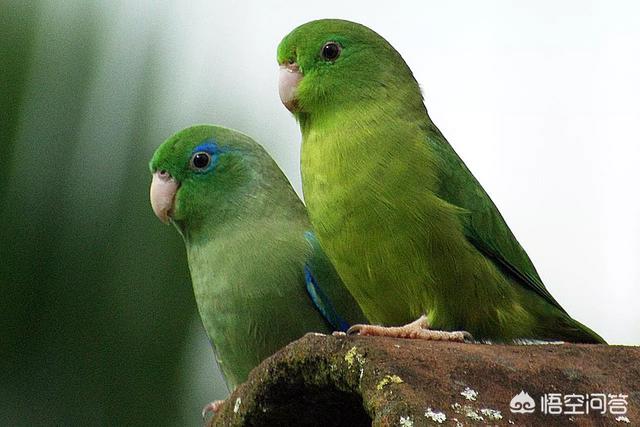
{"x": 418, "y": 329}
{"x": 211, "y": 408}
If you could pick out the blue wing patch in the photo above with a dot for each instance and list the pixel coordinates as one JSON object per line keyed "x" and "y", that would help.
{"x": 323, "y": 303}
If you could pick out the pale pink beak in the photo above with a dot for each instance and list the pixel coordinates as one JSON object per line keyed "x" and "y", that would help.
{"x": 288, "y": 80}
{"x": 162, "y": 194}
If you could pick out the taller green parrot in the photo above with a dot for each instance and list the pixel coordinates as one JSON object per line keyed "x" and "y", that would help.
{"x": 259, "y": 276}
{"x": 405, "y": 223}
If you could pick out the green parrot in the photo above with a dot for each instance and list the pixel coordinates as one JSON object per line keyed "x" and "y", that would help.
{"x": 259, "y": 276}
{"x": 405, "y": 223}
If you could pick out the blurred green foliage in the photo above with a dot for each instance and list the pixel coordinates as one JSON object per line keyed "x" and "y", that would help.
{"x": 95, "y": 296}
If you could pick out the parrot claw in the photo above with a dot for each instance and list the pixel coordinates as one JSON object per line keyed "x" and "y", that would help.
{"x": 418, "y": 329}
{"x": 467, "y": 337}
{"x": 211, "y": 408}
{"x": 355, "y": 329}
{"x": 338, "y": 334}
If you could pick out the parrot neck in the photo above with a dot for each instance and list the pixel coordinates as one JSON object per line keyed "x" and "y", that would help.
{"x": 266, "y": 203}
{"x": 371, "y": 112}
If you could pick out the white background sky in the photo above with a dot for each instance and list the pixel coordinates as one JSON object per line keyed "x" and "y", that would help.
{"x": 541, "y": 100}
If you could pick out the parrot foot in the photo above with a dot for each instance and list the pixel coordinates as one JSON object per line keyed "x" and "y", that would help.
{"x": 211, "y": 409}
{"x": 418, "y": 329}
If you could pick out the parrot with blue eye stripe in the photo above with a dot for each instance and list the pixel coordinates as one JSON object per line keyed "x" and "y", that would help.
{"x": 407, "y": 226}
{"x": 259, "y": 275}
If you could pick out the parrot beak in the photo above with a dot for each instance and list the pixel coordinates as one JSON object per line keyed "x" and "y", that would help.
{"x": 162, "y": 194}
{"x": 288, "y": 80}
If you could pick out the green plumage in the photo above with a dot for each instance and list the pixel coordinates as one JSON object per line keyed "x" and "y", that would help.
{"x": 244, "y": 230}
{"x": 405, "y": 223}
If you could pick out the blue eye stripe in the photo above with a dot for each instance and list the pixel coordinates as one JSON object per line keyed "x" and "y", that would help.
{"x": 209, "y": 146}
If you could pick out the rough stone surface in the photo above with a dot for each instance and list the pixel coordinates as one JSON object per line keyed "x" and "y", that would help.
{"x": 361, "y": 381}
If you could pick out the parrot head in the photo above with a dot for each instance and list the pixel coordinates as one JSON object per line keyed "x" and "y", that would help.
{"x": 202, "y": 173}
{"x": 331, "y": 63}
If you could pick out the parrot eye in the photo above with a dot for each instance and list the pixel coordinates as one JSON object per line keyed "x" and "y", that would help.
{"x": 331, "y": 51}
{"x": 200, "y": 160}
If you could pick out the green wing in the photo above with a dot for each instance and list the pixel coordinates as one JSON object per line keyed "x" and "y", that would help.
{"x": 484, "y": 226}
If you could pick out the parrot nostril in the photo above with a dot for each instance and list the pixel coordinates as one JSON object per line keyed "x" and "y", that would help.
{"x": 164, "y": 174}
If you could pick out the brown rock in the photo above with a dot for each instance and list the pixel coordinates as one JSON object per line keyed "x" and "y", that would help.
{"x": 361, "y": 381}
